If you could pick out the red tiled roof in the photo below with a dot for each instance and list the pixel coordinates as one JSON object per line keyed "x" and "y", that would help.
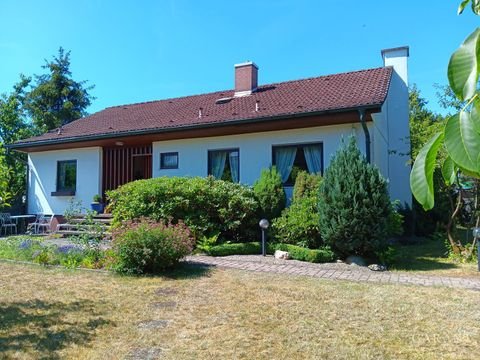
{"x": 324, "y": 93}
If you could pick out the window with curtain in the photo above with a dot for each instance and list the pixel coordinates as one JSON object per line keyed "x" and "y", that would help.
{"x": 224, "y": 164}
{"x": 67, "y": 176}
{"x": 169, "y": 160}
{"x": 291, "y": 159}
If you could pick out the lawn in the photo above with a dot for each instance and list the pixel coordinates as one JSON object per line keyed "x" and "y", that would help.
{"x": 429, "y": 256}
{"x": 224, "y": 314}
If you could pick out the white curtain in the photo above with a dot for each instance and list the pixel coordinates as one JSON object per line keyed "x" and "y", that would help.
{"x": 234, "y": 164}
{"x": 313, "y": 157}
{"x": 284, "y": 158}
{"x": 217, "y": 159}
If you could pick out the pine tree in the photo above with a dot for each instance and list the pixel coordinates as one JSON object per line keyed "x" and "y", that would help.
{"x": 57, "y": 99}
{"x": 354, "y": 204}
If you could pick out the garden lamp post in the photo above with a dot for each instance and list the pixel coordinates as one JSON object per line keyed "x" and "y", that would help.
{"x": 264, "y": 226}
{"x": 476, "y": 235}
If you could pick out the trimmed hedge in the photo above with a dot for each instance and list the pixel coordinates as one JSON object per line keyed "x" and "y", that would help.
{"x": 250, "y": 248}
{"x": 207, "y": 206}
{"x": 255, "y": 248}
{"x": 310, "y": 255}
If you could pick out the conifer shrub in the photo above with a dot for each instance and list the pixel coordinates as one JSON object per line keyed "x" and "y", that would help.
{"x": 206, "y": 205}
{"x": 269, "y": 193}
{"x": 354, "y": 205}
{"x": 306, "y": 185}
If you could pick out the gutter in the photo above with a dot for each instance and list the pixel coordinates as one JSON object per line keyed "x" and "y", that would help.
{"x": 361, "y": 112}
{"x": 187, "y": 127}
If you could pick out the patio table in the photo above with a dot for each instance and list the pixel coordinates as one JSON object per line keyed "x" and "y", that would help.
{"x": 23, "y": 219}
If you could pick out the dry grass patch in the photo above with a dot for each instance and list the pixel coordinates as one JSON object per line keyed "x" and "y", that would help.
{"x": 225, "y": 314}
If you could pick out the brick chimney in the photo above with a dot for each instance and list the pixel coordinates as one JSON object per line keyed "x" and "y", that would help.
{"x": 246, "y": 78}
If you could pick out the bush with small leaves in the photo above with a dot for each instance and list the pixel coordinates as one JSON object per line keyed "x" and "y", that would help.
{"x": 299, "y": 224}
{"x": 207, "y": 206}
{"x": 147, "y": 246}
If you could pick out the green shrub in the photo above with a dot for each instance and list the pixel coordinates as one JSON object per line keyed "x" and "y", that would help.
{"x": 354, "y": 205}
{"x": 395, "y": 221}
{"x": 250, "y": 248}
{"x": 207, "y": 206}
{"x": 310, "y": 255}
{"x": 146, "y": 246}
{"x": 306, "y": 185}
{"x": 299, "y": 224}
{"x": 269, "y": 193}
{"x": 255, "y": 248}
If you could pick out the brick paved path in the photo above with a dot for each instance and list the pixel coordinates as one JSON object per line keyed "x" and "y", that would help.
{"x": 333, "y": 271}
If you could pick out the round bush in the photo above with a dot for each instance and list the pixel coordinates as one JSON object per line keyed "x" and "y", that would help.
{"x": 354, "y": 204}
{"x": 147, "y": 246}
{"x": 207, "y": 206}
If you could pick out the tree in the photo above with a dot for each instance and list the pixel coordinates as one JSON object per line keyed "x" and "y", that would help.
{"x": 4, "y": 175}
{"x": 56, "y": 99}
{"x": 460, "y": 138}
{"x": 423, "y": 124}
{"x": 13, "y": 126}
{"x": 354, "y": 205}
{"x": 447, "y": 98}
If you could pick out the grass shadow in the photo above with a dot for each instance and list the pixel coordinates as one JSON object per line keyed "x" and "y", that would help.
{"x": 423, "y": 255}
{"x": 186, "y": 270}
{"x": 46, "y": 327}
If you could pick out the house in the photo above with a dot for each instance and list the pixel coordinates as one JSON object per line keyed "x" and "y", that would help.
{"x": 230, "y": 134}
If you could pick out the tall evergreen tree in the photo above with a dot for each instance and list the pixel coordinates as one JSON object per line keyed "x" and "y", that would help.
{"x": 56, "y": 98}
{"x": 354, "y": 204}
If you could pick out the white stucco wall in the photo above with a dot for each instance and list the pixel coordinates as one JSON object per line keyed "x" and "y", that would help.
{"x": 42, "y": 179}
{"x": 255, "y": 149}
{"x": 395, "y": 125}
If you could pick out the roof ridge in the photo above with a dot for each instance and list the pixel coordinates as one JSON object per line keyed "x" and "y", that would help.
{"x": 232, "y": 90}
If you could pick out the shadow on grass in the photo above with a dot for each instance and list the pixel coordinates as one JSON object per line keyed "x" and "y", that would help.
{"x": 422, "y": 255}
{"x": 41, "y": 328}
{"x": 188, "y": 271}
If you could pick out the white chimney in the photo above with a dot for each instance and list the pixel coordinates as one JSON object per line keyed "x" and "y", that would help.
{"x": 394, "y": 122}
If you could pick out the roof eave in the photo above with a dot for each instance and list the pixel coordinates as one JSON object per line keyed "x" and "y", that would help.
{"x": 19, "y": 146}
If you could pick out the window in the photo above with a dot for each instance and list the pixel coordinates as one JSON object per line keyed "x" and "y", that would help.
{"x": 224, "y": 164}
{"x": 169, "y": 160}
{"x": 290, "y": 159}
{"x": 66, "y": 178}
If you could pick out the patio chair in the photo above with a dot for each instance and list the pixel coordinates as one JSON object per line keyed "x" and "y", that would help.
{"x": 7, "y": 223}
{"x": 42, "y": 221}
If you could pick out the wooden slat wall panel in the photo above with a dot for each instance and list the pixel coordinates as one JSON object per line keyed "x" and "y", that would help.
{"x": 118, "y": 164}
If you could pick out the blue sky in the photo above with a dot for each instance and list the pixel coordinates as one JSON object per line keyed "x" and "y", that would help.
{"x": 137, "y": 51}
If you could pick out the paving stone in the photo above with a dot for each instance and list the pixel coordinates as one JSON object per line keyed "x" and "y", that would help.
{"x": 332, "y": 271}
{"x": 166, "y": 292}
{"x": 144, "y": 354}
{"x": 164, "y": 304}
{"x": 152, "y": 324}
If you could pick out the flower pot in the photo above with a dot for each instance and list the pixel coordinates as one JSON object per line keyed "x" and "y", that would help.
{"x": 98, "y": 207}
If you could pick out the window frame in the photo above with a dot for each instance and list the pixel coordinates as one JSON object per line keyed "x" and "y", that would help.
{"x": 64, "y": 191}
{"x": 162, "y": 160}
{"x": 209, "y": 162}
{"x": 297, "y": 145}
